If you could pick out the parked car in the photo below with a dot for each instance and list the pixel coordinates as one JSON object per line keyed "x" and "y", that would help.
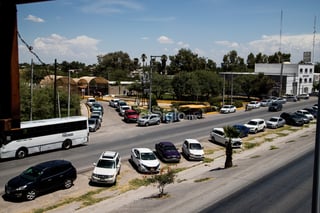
{"x": 228, "y": 109}
{"x": 123, "y": 109}
{"x": 312, "y": 111}
{"x": 114, "y": 102}
{"x": 94, "y": 124}
{"x": 292, "y": 119}
{"x": 131, "y": 115}
{"x": 192, "y": 113}
{"x": 107, "y": 168}
{"x": 217, "y": 135}
{"x": 149, "y": 119}
{"x": 292, "y": 98}
{"x": 192, "y": 149}
{"x": 96, "y": 116}
{"x": 41, "y": 178}
{"x": 275, "y": 122}
{"x": 243, "y": 130}
{"x": 120, "y": 103}
{"x": 98, "y": 112}
{"x": 256, "y": 125}
{"x": 265, "y": 102}
{"x": 145, "y": 160}
{"x": 281, "y": 100}
{"x": 305, "y": 118}
{"x": 96, "y": 106}
{"x": 167, "y": 152}
{"x": 253, "y": 105}
{"x": 275, "y": 106}
{"x": 306, "y": 113}
{"x": 303, "y": 96}
{"x": 90, "y": 101}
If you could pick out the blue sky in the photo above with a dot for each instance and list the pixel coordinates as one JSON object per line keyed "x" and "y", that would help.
{"x": 80, "y": 30}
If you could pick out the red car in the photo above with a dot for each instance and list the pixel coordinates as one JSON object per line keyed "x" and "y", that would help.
{"x": 131, "y": 115}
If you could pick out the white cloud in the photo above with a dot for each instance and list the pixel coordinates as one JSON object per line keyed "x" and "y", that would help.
{"x": 34, "y": 19}
{"x": 81, "y": 48}
{"x": 183, "y": 45}
{"x": 269, "y": 44}
{"x": 228, "y": 44}
{"x": 165, "y": 40}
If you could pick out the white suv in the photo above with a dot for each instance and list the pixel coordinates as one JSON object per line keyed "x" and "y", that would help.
{"x": 256, "y": 125}
{"x": 150, "y": 119}
{"x": 107, "y": 168}
{"x": 217, "y": 135}
{"x": 192, "y": 149}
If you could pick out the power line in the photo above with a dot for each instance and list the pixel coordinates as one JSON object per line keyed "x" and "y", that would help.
{"x": 30, "y": 49}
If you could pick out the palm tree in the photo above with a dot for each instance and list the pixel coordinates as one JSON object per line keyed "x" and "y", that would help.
{"x": 143, "y": 58}
{"x": 230, "y": 133}
{"x": 164, "y": 59}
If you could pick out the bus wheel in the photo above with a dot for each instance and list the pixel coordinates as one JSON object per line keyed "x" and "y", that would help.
{"x": 66, "y": 144}
{"x": 21, "y": 153}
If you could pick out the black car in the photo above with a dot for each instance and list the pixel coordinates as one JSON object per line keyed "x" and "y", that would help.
{"x": 292, "y": 119}
{"x": 167, "y": 152}
{"x": 41, "y": 178}
{"x": 275, "y": 106}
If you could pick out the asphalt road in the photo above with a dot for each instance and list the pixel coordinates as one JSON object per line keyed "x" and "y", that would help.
{"x": 119, "y": 136}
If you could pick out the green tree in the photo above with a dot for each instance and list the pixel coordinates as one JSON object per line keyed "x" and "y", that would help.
{"x": 160, "y": 84}
{"x": 163, "y": 179}
{"x": 230, "y": 133}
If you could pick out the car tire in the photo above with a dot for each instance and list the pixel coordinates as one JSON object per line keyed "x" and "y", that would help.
{"x": 31, "y": 194}
{"x": 213, "y": 139}
{"x": 21, "y": 153}
{"x": 158, "y": 122}
{"x": 255, "y": 131}
{"x": 67, "y": 183}
{"x": 147, "y": 124}
{"x": 66, "y": 144}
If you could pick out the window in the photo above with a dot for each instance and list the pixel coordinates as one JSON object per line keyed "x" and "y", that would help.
{"x": 310, "y": 80}
{"x": 305, "y": 70}
{"x": 310, "y": 70}
{"x": 305, "y": 80}
{"x": 301, "y": 70}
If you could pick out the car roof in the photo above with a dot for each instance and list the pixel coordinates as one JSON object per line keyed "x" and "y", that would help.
{"x": 218, "y": 128}
{"x": 166, "y": 143}
{"x": 192, "y": 140}
{"x": 144, "y": 150}
{"x": 108, "y": 155}
{"x": 51, "y": 163}
{"x": 257, "y": 119}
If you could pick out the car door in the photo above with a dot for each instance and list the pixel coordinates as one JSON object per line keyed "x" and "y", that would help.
{"x": 136, "y": 157}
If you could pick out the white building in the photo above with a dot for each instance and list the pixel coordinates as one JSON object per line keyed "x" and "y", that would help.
{"x": 296, "y": 78}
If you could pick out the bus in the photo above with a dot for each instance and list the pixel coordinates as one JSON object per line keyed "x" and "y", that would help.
{"x": 44, "y": 135}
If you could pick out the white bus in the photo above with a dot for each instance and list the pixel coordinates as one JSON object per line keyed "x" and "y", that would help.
{"x": 44, "y": 135}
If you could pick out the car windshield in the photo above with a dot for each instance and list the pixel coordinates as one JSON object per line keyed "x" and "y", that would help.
{"x": 195, "y": 146}
{"x": 107, "y": 164}
{"x": 132, "y": 113}
{"x": 148, "y": 156}
{"x": 169, "y": 147}
{"x": 273, "y": 119}
{"x": 252, "y": 123}
{"x": 31, "y": 174}
{"x": 145, "y": 117}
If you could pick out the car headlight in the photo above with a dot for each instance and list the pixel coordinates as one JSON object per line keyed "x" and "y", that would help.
{"x": 21, "y": 188}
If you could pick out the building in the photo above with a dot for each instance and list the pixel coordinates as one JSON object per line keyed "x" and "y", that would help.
{"x": 292, "y": 79}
